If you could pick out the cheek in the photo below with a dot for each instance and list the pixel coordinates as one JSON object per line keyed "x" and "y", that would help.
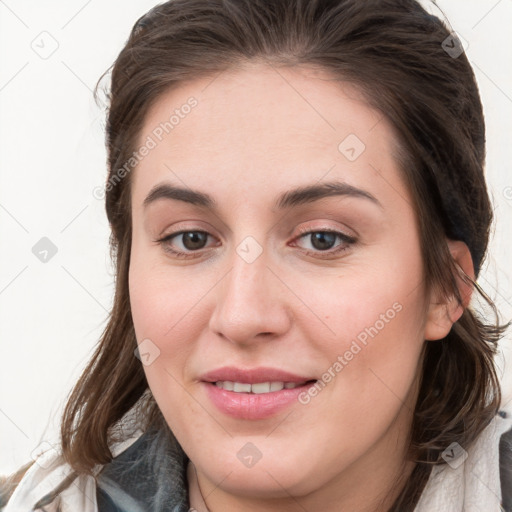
{"x": 164, "y": 315}
{"x": 158, "y": 310}
{"x": 359, "y": 306}
{"x": 162, "y": 303}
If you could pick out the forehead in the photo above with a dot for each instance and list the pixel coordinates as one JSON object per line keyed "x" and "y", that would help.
{"x": 258, "y": 127}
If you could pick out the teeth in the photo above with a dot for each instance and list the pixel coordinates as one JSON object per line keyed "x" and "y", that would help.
{"x": 238, "y": 387}
{"x": 276, "y": 386}
{"x": 257, "y": 388}
{"x": 261, "y": 387}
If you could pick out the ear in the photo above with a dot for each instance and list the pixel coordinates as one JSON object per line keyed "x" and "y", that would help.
{"x": 444, "y": 312}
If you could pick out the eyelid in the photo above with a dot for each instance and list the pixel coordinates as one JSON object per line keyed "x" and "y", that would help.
{"x": 315, "y": 229}
{"x": 186, "y": 227}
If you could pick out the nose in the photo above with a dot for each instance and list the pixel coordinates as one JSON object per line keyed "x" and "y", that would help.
{"x": 251, "y": 302}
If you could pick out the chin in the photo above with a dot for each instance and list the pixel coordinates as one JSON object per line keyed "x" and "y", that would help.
{"x": 265, "y": 482}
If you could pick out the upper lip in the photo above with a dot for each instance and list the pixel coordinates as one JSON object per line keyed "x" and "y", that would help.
{"x": 252, "y": 375}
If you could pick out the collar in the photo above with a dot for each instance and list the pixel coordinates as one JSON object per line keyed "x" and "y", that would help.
{"x": 150, "y": 475}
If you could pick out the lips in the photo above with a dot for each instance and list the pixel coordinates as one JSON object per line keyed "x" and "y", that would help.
{"x": 238, "y": 392}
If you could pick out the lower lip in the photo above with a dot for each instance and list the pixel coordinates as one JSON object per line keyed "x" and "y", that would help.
{"x": 252, "y": 406}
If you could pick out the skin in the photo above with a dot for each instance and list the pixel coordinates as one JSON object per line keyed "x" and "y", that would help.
{"x": 256, "y": 133}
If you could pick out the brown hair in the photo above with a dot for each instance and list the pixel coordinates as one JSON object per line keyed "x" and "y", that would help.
{"x": 392, "y": 50}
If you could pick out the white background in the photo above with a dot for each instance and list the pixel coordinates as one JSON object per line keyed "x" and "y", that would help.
{"x": 52, "y": 157}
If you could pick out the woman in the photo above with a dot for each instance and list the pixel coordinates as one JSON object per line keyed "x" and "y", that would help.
{"x": 298, "y": 214}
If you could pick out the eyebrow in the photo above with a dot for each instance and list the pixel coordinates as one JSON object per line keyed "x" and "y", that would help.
{"x": 289, "y": 199}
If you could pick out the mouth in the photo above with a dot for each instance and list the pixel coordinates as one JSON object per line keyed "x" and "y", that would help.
{"x": 253, "y": 394}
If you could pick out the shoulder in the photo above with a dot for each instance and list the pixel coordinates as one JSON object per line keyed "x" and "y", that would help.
{"x": 9, "y": 483}
{"x": 49, "y": 481}
{"x": 473, "y": 476}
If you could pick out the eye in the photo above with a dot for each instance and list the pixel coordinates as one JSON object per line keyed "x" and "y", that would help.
{"x": 323, "y": 241}
{"x": 191, "y": 241}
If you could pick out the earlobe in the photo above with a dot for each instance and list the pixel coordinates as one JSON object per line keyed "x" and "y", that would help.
{"x": 444, "y": 312}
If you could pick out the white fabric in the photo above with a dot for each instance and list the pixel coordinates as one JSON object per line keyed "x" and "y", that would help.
{"x": 47, "y": 473}
{"x": 473, "y": 486}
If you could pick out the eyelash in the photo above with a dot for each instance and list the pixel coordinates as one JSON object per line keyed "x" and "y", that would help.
{"x": 348, "y": 241}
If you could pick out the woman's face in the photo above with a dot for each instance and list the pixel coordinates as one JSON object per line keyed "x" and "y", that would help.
{"x": 301, "y": 262}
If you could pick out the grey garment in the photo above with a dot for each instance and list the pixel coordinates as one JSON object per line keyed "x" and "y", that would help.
{"x": 149, "y": 476}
